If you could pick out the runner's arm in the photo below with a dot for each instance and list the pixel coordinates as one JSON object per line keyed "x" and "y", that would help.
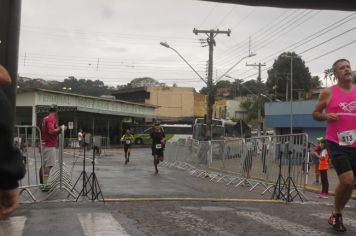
{"x": 318, "y": 112}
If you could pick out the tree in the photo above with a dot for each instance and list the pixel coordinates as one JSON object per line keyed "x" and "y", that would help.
{"x": 279, "y": 76}
{"x": 204, "y": 91}
{"x": 315, "y": 82}
{"x": 254, "y": 86}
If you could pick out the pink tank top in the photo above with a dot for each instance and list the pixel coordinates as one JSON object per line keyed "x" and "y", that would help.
{"x": 343, "y": 131}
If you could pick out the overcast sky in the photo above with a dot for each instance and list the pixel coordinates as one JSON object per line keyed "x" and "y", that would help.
{"x": 118, "y": 40}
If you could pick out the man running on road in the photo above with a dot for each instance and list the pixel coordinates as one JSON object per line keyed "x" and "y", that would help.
{"x": 158, "y": 142}
{"x": 128, "y": 140}
{"x": 339, "y": 103}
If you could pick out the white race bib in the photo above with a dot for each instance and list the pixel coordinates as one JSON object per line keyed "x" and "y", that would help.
{"x": 158, "y": 146}
{"x": 347, "y": 138}
{"x": 128, "y": 142}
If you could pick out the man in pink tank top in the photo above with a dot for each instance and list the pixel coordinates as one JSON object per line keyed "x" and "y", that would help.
{"x": 337, "y": 106}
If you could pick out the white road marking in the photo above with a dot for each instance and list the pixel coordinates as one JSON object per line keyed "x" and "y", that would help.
{"x": 194, "y": 224}
{"x": 100, "y": 224}
{"x": 280, "y": 224}
{"x": 347, "y": 221}
{"x": 13, "y": 226}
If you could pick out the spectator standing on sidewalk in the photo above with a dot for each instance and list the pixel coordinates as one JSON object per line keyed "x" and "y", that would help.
{"x": 323, "y": 168}
{"x": 49, "y": 133}
{"x": 316, "y": 159}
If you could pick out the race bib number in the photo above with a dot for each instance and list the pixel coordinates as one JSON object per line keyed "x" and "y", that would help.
{"x": 159, "y": 146}
{"x": 128, "y": 142}
{"x": 347, "y": 138}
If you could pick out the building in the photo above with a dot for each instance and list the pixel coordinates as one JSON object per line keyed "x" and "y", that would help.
{"x": 229, "y": 109}
{"x": 171, "y": 102}
{"x": 95, "y": 115}
{"x": 278, "y": 115}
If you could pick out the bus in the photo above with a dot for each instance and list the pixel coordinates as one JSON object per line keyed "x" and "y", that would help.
{"x": 173, "y": 132}
{"x": 222, "y": 129}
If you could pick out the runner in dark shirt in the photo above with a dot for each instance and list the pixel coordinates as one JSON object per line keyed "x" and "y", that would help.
{"x": 158, "y": 142}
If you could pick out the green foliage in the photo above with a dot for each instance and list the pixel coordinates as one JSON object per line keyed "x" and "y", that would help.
{"x": 252, "y": 109}
{"x": 81, "y": 86}
{"x": 204, "y": 91}
{"x": 279, "y": 76}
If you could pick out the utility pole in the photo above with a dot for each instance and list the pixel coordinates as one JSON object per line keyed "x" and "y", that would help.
{"x": 259, "y": 80}
{"x": 291, "y": 56}
{"x": 210, "y": 84}
{"x": 259, "y": 70}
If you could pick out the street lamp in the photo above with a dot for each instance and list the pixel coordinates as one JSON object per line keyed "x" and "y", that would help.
{"x": 232, "y": 67}
{"x": 165, "y": 44}
{"x": 265, "y": 96}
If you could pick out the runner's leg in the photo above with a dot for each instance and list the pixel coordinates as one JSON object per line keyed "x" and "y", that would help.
{"x": 343, "y": 190}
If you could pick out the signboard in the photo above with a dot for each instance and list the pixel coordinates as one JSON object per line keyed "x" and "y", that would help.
{"x": 70, "y": 125}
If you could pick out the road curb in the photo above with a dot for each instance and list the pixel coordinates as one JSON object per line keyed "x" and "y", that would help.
{"x": 192, "y": 200}
{"x": 317, "y": 190}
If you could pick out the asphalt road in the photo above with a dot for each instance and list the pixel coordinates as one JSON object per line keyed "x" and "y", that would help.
{"x": 170, "y": 203}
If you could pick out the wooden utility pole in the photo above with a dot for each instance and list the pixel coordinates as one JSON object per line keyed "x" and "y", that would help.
{"x": 210, "y": 84}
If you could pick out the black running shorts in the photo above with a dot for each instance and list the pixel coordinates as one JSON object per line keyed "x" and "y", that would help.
{"x": 342, "y": 158}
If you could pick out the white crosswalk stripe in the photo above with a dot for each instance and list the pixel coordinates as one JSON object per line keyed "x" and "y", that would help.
{"x": 280, "y": 224}
{"x": 100, "y": 224}
{"x": 347, "y": 221}
{"x": 13, "y": 226}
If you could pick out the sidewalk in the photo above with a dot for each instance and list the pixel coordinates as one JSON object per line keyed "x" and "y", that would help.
{"x": 333, "y": 181}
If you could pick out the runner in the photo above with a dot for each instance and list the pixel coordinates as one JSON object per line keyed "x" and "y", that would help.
{"x": 158, "y": 142}
{"x": 339, "y": 103}
{"x": 128, "y": 140}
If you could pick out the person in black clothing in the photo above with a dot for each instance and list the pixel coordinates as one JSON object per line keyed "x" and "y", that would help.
{"x": 158, "y": 142}
{"x": 12, "y": 168}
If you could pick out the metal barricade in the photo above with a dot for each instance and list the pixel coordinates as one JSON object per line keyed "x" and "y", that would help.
{"x": 256, "y": 162}
{"x": 28, "y": 139}
{"x": 59, "y": 179}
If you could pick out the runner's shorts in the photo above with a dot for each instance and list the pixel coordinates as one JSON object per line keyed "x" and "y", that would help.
{"x": 158, "y": 152}
{"x": 343, "y": 158}
{"x": 126, "y": 147}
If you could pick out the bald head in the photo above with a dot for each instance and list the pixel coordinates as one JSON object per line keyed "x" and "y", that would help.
{"x": 5, "y": 79}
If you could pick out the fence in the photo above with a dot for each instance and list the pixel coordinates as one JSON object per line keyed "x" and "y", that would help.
{"x": 60, "y": 179}
{"x": 258, "y": 162}
{"x": 28, "y": 139}
{"x": 101, "y": 144}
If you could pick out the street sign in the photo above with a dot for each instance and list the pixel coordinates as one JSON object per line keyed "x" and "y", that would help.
{"x": 70, "y": 125}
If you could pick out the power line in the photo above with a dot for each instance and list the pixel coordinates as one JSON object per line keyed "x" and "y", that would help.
{"x": 275, "y": 33}
{"x": 208, "y": 15}
{"x": 224, "y": 17}
{"x": 313, "y": 37}
{"x": 334, "y": 50}
{"x": 266, "y": 28}
{"x": 101, "y": 33}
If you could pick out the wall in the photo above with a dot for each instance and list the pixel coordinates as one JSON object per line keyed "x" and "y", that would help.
{"x": 219, "y": 110}
{"x": 234, "y": 110}
{"x": 200, "y": 105}
{"x": 172, "y": 101}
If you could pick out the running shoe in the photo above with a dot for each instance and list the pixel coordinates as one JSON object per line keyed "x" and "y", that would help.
{"x": 335, "y": 220}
